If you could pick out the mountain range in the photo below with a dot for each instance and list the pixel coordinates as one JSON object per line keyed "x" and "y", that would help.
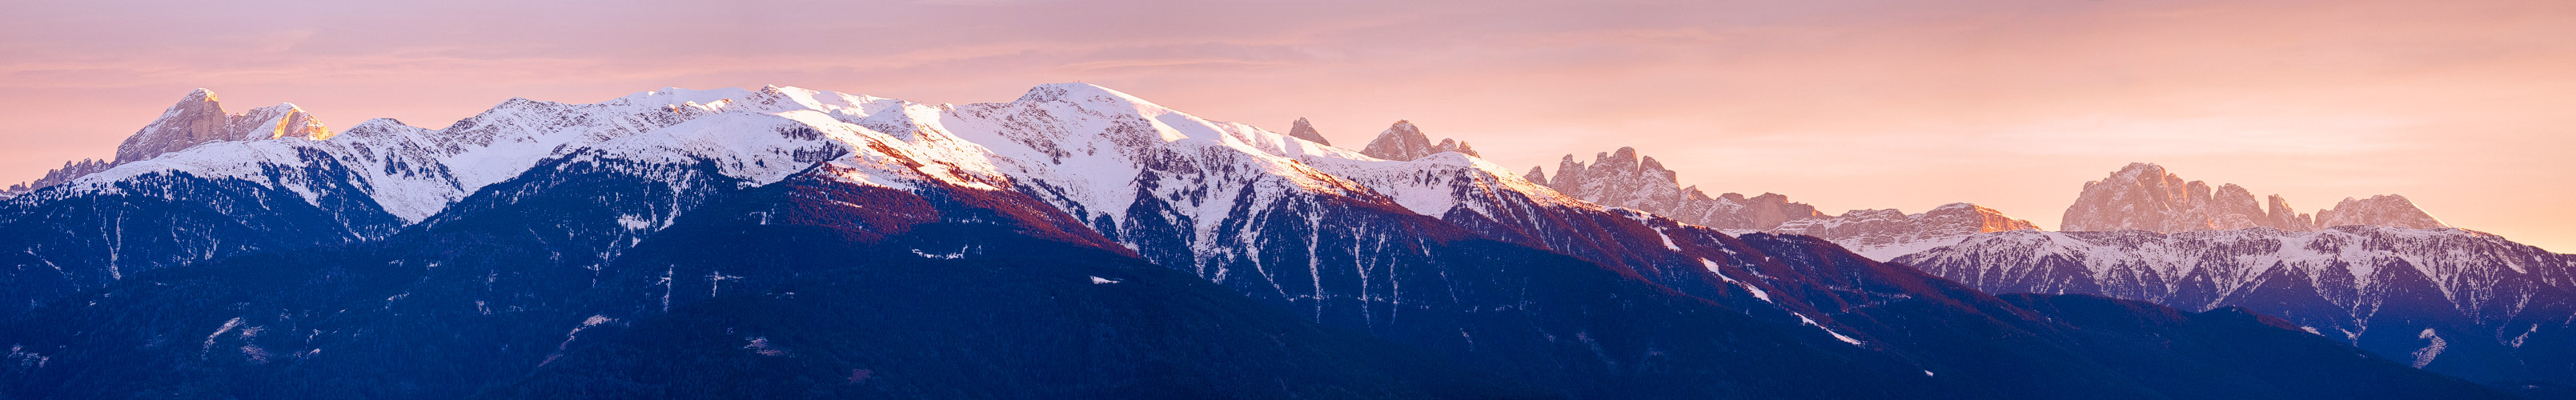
{"x": 2145, "y": 197}
{"x": 1623, "y": 179}
{"x": 2377, "y": 272}
{"x": 2374, "y": 272}
{"x": 1077, "y": 242}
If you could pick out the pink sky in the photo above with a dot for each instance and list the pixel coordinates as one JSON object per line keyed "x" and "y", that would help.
{"x": 2466, "y": 107}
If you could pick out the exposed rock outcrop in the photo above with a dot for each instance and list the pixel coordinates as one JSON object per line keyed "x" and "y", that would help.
{"x": 1306, "y": 130}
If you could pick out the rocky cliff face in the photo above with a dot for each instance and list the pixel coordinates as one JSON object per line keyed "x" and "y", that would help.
{"x": 197, "y": 118}
{"x": 2146, "y": 197}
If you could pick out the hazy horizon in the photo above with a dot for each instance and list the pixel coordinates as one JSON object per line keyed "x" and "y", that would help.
{"x": 1905, "y": 105}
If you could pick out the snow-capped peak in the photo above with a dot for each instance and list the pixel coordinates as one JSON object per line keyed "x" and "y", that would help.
{"x": 197, "y": 118}
{"x": 779, "y": 98}
{"x": 1160, "y": 123}
{"x": 1094, "y": 146}
{"x": 410, "y": 172}
{"x": 288, "y": 121}
{"x": 1086, "y": 93}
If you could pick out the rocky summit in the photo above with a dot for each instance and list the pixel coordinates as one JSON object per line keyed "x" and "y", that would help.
{"x": 2144, "y": 196}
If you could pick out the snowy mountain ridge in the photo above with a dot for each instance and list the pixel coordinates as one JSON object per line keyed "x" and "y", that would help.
{"x": 1215, "y": 198}
{"x": 2378, "y": 273}
{"x": 414, "y": 171}
{"x": 1091, "y": 149}
{"x": 2456, "y": 300}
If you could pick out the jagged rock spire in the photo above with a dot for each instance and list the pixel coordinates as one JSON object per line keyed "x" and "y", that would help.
{"x": 1404, "y": 142}
{"x": 1459, "y": 146}
{"x": 1624, "y": 179}
{"x": 70, "y": 169}
{"x": 2286, "y": 217}
{"x": 1305, "y": 130}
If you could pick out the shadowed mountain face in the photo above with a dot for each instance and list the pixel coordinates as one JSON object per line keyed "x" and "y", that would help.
{"x": 791, "y": 289}
{"x": 1075, "y": 243}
